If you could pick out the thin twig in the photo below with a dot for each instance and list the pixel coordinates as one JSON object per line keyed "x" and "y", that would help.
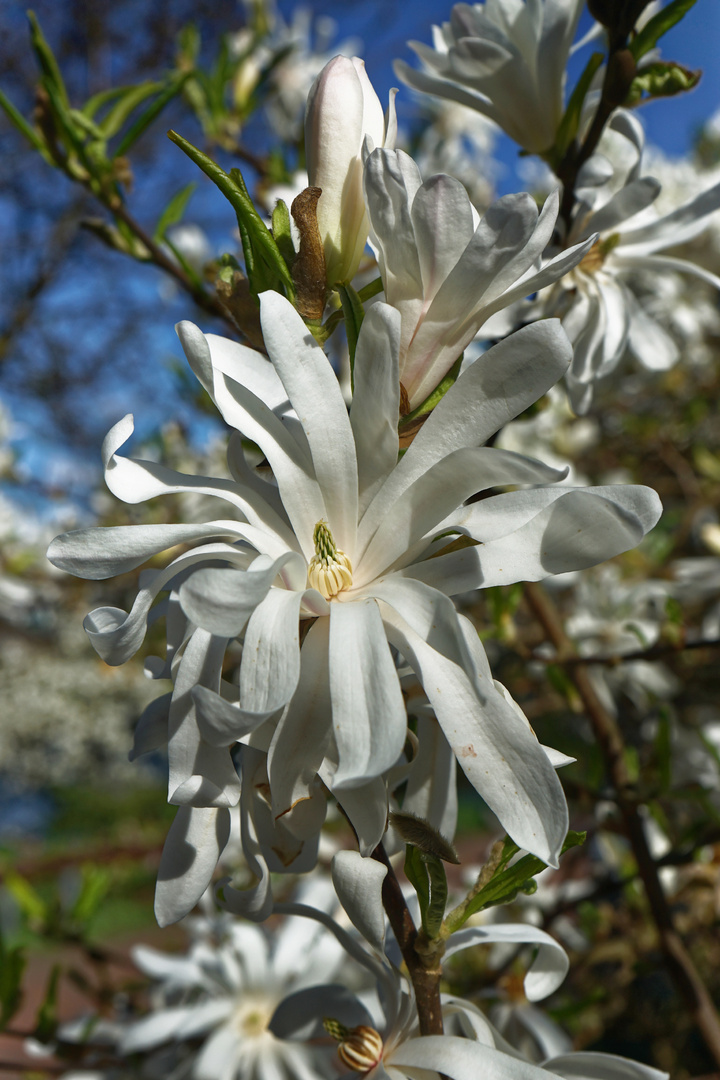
{"x": 160, "y": 258}
{"x": 615, "y": 659}
{"x": 610, "y": 740}
{"x": 426, "y": 982}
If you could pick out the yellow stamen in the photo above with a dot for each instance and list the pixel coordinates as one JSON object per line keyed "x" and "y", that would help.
{"x": 330, "y": 570}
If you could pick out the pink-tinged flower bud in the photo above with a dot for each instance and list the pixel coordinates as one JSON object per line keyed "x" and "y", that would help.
{"x": 342, "y": 109}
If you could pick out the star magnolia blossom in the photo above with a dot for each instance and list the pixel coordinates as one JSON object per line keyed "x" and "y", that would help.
{"x": 224, "y": 993}
{"x": 506, "y": 60}
{"x": 342, "y": 109}
{"x": 344, "y": 506}
{"x": 446, "y": 271}
{"x": 600, "y": 312}
{"x": 384, "y": 1043}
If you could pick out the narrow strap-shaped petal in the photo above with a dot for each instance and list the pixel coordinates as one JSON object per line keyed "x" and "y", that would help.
{"x": 368, "y": 711}
{"x": 462, "y": 1059}
{"x": 199, "y": 774}
{"x": 221, "y": 599}
{"x": 497, "y": 751}
{"x": 628, "y": 201}
{"x": 376, "y": 398}
{"x": 314, "y": 393}
{"x": 445, "y": 486}
{"x": 98, "y": 553}
{"x": 358, "y": 884}
{"x": 366, "y": 808}
{"x": 303, "y": 732}
{"x": 116, "y": 634}
{"x": 135, "y": 481}
{"x": 591, "y": 1065}
{"x": 196, "y": 839}
{"x": 431, "y": 788}
{"x": 490, "y": 393}
{"x": 573, "y": 530}
{"x": 550, "y": 963}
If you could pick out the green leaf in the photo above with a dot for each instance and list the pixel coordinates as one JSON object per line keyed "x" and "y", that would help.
{"x": 96, "y": 102}
{"x": 354, "y": 315}
{"x": 265, "y": 266}
{"x": 174, "y": 211}
{"x": 282, "y": 232}
{"x": 28, "y": 900}
{"x": 18, "y": 120}
{"x": 438, "y": 895}
{"x": 47, "y": 1019}
{"x": 571, "y": 117}
{"x": 125, "y": 105}
{"x": 508, "y": 881}
{"x": 143, "y": 122}
{"x": 419, "y": 832}
{"x": 12, "y": 965}
{"x": 654, "y": 29}
{"x": 426, "y": 874}
{"x": 94, "y": 888}
{"x": 661, "y": 79}
{"x": 46, "y": 60}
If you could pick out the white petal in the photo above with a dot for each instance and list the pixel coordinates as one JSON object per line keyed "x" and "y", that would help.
{"x": 496, "y": 750}
{"x": 221, "y": 600}
{"x": 462, "y": 1059}
{"x": 431, "y": 788}
{"x": 198, "y": 773}
{"x": 549, "y": 967}
{"x": 588, "y": 1065}
{"x": 488, "y": 394}
{"x": 301, "y": 737}
{"x": 194, "y": 844}
{"x": 368, "y": 710}
{"x": 376, "y": 398}
{"x": 315, "y": 394}
{"x": 99, "y": 553}
{"x": 358, "y": 884}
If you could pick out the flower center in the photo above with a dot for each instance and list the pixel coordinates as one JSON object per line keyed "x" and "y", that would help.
{"x": 330, "y": 570}
{"x": 252, "y": 1017}
{"x": 593, "y": 261}
{"x": 359, "y": 1048}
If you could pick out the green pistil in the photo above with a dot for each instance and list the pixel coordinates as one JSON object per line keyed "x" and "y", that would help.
{"x": 325, "y": 548}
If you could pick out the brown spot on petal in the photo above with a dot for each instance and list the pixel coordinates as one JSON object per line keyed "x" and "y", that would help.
{"x": 468, "y": 751}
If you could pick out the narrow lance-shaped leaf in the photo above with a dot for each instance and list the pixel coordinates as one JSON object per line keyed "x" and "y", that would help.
{"x": 125, "y": 105}
{"x": 46, "y": 59}
{"x": 174, "y": 211}
{"x": 12, "y": 965}
{"x": 659, "y": 25}
{"x": 265, "y": 265}
{"x": 571, "y": 117}
{"x": 18, "y": 120}
{"x": 507, "y": 881}
{"x": 282, "y": 232}
{"x": 146, "y": 118}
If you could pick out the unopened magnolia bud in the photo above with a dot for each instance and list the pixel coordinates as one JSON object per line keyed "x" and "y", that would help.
{"x": 361, "y": 1049}
{"x": 342, "y": 109}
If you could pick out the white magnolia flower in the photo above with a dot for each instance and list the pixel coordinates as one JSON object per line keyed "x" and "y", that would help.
{"x": 342, "y": 109}
{"x": 506, "y": 60}
{"x": 613, "y": 617}
{"x": 446, "y": 271}
{"x": 599, "y": 309}
{"x": 224, "y": 992}
{"x": 364, "y": 551}
{"x": 381, "y": 1039}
